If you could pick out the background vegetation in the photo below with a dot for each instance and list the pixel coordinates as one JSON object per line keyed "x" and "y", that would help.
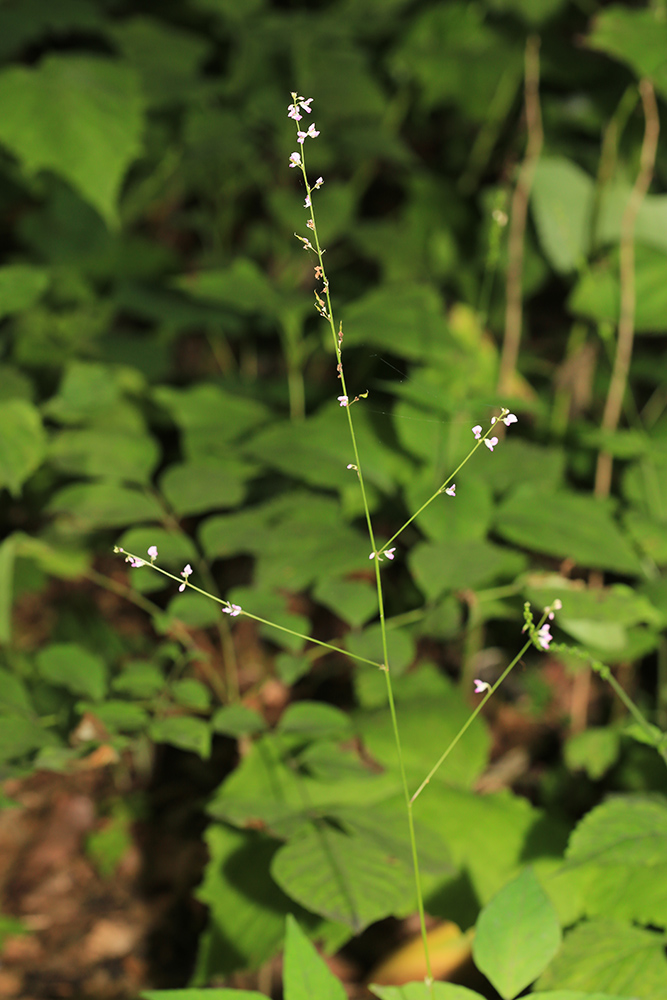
{"x": 496, "y": 235}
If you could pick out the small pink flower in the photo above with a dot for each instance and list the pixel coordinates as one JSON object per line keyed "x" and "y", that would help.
{"x": 508, "y": 419}
{"x": 135, "y": 562}
{"x": 294, "y": 160}
{"x": 318, "y": 183}
{"x": 481, "y": 686}
{"x": 477, "y": 431}
{"x": 556, "y": 606}
{"x": 544, "y": 636}
{"x": 233, "y": 610}
{"x": 153, "y": 552}
{"x": 451, "y": 490}
{"x": 312, "y": 133}
{"x": 491, "y": 443}
{"x": 185, "y": 573}
{"x": 390, "y": 553}
{"x": 343, "y": 400}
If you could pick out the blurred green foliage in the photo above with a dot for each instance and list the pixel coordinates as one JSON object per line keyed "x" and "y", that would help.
{"x": 164, "y": 379}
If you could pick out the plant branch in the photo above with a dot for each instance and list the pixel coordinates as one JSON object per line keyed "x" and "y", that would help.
{"x": 626, "y": 323}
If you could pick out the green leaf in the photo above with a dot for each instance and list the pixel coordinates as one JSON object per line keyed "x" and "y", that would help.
{"x": 237, "y": 720}
{"x": 80, "y": 117}
{"x": 593, "y": 751}
{"x": 198, "y": 487}
{"x": 612, "y": 957}
{"x": 13, "y": 694}
{"x": 241, "y": 286}
{"x": 353, "y": 601}
{"x": 428, "y": 725}
{"x": 209, "y": 418}
{"x": 105, "y": 453}
{"x": 18, "y": 736}
{"x": 382, "y": 317}
{"x": 636, "y": 37}
{"x": 191, "y": 693}
{"x": 566, "y": 525}
{"x": 118, "y": 716}
{"x": 21, "y": 285}
{"x": 311, "y": 719}
{"x": 346, "y": 879}
{"x": 22, "y": 443}
{"x": 597, "y": 295}
{"x": 517, "y": 935}
{"x": 183, "y": 732}
{"x": 86, "y": 506}
{"x": 562, "y": 202}
{"x": 305, "y": 974}
{"x": 140, "y": 679}
{"x": 461, "y": 565}
{"x": 68, "y": 665}
{"x": 247, "y": 910}
{"x": 420, "y": 991}
{"x": 192, "y": 609}
{"x": 7, "y": 560}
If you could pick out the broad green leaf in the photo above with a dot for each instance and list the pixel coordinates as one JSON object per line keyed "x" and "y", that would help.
{"x": 594, "y": 751}
{"x": 140, "y": 679}
{"x": 462, "y": 565}
{"x": 69, "y": 665}
{"x": 247, "y": 910}
{"x": 610, "y": 957}
{"x": 562, "y": 202}
{"x": 18, "y": 736}
{"x": 597, "y": 295}
{"x": 408, "y": 322}
{"x": 353, "y": 601}
{"x": 14, "y": 694}
{"x": 86, "y": 506}
{"x": 22, "y": 443}
{"x": 488, "y": 835}
{"x": 636, "y": 37}
{"x": 204, "y": 485}
{"x": 427, "y": 726}
{"x": 21, "y": 285}
{"x": 420, "y": 991}
{"x": 241, "y": 286}
{"x": 651, "y": 217}
{"x": 305, "y": 974}
{"x": 345, "y": 879}
{"x": 183, "y": 732}
{"x": 468, "y": 516}
{"x": 7, "y": 561}
{"x": 368, "y": 643}
{"x": 87, "y": 390}
{"x": 566, "y": 525}
{"x": 516, "y": 936}
{"x": 118, "y": 716}
{"x": 80, "y": 117}
{"x": 271, "y": 789}
{"x": 101, "y": 453}
{"x": 317, "y": 450}
{"x": 625, "y": 829}
{"x": 191, "y": 693}
{"x": 237, "y": 720}
{"x": 209, "y": 417}
{"x": 312, "y": 719}
{"x": 193, "y": 610}
{"x": 517, "y": 461}
{"x": 166, "y": 58}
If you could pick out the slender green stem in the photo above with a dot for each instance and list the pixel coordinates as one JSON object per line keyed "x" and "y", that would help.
{"x": 464, "y": 728}
{"x": 248, "y": 614}
{"x": 327, "y": 312}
